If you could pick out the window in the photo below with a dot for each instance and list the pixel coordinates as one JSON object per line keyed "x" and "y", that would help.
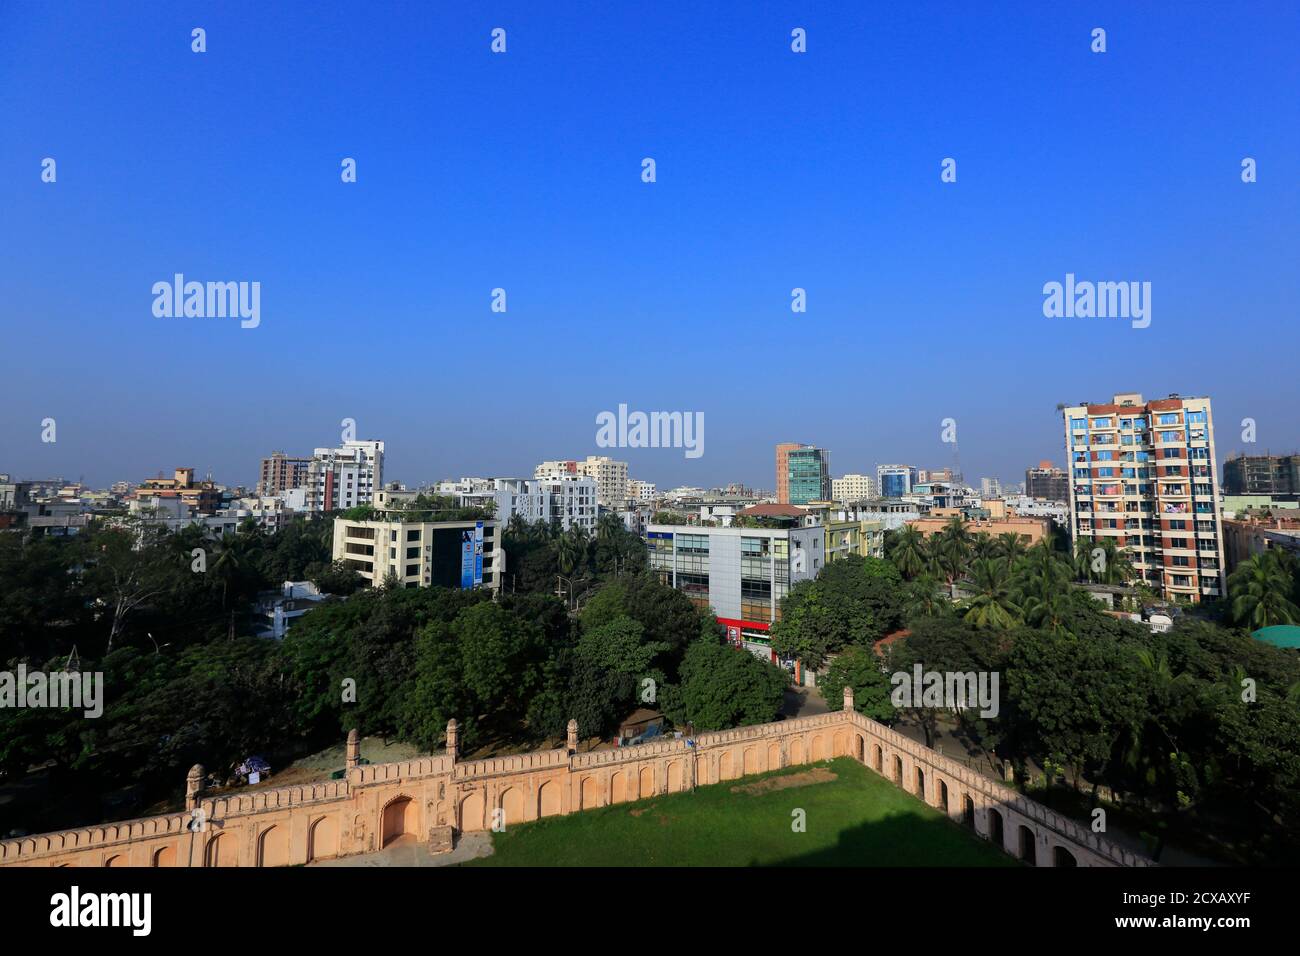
{"x": 413, "y": 535}
{"x": 412, "y": 553}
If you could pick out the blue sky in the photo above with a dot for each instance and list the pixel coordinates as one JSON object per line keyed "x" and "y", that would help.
{"x": 522, "y": 171}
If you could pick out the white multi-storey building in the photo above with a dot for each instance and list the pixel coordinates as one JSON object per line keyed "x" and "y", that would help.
{"x": 643, "y": 491}
{"x": 853, "y": 488}
{"x": 570, "y": 501}
{"x": 610, "y": 476}
{"x": 345, "y": 477}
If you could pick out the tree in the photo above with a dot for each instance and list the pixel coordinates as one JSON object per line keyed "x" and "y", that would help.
{"x": 854, "y": 600}
{"x": 943, "y": 645}
{"x": 722, "y": 687}
{"x": 126, "y": 568}
{"x": 991, "y": 605}
{"x": 859, "y": 668}
{"x": 335, "y": 578}
{"x": 909, "y": 551}
{"x": 950, "y": 551}
{"x": 1260, "y": 589}
{"x": 1074, "y": 700}
{"x": 1010, "y": 546}
{"x": 620, "y": 646}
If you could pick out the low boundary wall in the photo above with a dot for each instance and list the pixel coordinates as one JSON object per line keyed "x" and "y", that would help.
{"x": 377, "y": 804}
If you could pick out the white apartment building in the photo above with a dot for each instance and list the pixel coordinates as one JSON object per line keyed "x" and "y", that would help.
{"x": 853, "y": 487}
{"x": 610, "y": 476}
{"x": 568, "y": 500}
{"x": 345, "y": 477}
{"x": 452, "y": 554}
{"x": 643, "y": 491}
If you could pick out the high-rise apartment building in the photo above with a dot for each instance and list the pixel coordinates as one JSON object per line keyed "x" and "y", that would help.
{"x": 281, "y": 473}
{"x": 344, "y": 477}
{"x": 1143, "y": 474}
{"x": 991, "y": 487}
{"x": 783, "y": 470}
{"x": 1261, "y": 475}
{"x": 809, "y": 475}
{"x": 853, "y": 488}
{"x": 1047, "y": 482}
{"x": 895, "y": 481}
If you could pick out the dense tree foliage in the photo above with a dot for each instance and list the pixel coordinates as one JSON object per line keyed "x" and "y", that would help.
{"x": 852, "y": 601}
{"x": 723, "y": 688}
{"x": 858, "y": 667}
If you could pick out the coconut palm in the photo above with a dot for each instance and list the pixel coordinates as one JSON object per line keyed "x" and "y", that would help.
{"x": 517, "y": 527}
{"x": 1042, "y": 587}
{"x": 1010, "y": 546}
{"x": 950, "y": 552}
{"x": 909, "y": 552}
{"x": 1116, "y": 568}
{"x": 924, "y": 598}
{"x": 983, "y": 545}
{"x": 991, "y": 604}
{"x": 1083, "y": 558}
{"x": 1260, "y": 591}
{"x": 231, "y": 554}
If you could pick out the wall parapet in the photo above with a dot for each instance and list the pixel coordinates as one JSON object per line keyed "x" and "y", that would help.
{"x": 1027, "y": 807}
{"x": 355, "y": 812}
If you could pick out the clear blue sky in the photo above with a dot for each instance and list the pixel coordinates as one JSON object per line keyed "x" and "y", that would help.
{"x": 522, "y": 170}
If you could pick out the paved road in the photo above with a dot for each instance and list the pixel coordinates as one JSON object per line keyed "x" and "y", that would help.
{"x": 803, "y": 702}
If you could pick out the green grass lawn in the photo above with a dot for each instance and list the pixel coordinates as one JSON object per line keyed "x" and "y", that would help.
{"x": 857, "y": 819}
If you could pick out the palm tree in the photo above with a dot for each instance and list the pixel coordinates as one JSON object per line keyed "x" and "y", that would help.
{"x": 909, "y": 551}
{"x": 983, "y": 545}
{"x": 1042, "y": 587}
{"x": 991, "y": 604}
{"x": 1010, "y": 546}
{"x": 1083, "y": 558}
{"x": 230, "y": 561}
{"x": 1116, "y": 568}
{"x": 516, "y": 527}
{"x": 923, "y": 598}
{"x": 950, "y": 552}
{"x": 1260, "y": 590}
{"x": 571, "y": 554}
